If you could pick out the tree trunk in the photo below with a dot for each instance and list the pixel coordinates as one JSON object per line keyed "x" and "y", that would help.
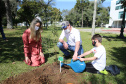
{"x": 82, "y": 17}
{"x": 123, "y": 24}
{"x": 44, "y": 24}
{"x": 94, "y": 17}
{"x": 46, "y": 16}
{"x": 87, "y": 21}
{"x": 8, "y": 15}
{"x": 26, "y": 24}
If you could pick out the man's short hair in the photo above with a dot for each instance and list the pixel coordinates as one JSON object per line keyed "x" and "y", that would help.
{"x": 98, "y": 37}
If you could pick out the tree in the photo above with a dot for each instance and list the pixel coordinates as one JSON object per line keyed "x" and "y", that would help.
{"x": 46, "y": 10}
{"x": 74, "y": 16}
{"x": 64, "y": 13}
{"x": 13, "y": 7}
{"x": 102, "y": 16}
{"x": 55, "y": 15}
{"x": 2, "y": 11}
{"x": 123, "y": 19}
{"x": 80, "y": 5}
{"x": 8, "y": 14}
{"x": 88, "y": 15}
{"x": 28, "y": 11}
{"x": 14, "y": 4}
{"x": 94, "y": 16}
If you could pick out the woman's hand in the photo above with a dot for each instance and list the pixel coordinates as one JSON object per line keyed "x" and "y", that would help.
{"x": 27, "y": 60}
{"x": 41, "y": 54}
{"x": 42, "y": 57}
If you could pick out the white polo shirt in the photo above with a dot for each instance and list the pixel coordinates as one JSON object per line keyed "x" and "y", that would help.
{"x": 72, "y": 37}
{"x": 100, "y": 53}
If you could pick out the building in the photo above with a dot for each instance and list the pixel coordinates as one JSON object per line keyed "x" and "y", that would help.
{"x": 21, "y": 24}
{"x": 116, "y": 14}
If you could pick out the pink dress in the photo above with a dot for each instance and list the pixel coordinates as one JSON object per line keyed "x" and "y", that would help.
{"x": 32, "y": 49}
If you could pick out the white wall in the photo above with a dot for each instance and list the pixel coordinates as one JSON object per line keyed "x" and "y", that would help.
{"x": 114, "y": 15}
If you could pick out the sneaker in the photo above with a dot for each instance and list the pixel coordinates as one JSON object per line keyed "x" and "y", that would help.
{"x": 103, "y": 72}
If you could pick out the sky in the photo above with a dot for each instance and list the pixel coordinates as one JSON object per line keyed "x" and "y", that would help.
{"x": 69, "y": 4}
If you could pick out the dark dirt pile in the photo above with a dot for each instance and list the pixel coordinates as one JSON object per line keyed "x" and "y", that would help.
{"x": 47, "y": 74}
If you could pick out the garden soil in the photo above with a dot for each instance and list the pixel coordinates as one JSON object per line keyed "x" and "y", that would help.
{"x": 47, "y": 74}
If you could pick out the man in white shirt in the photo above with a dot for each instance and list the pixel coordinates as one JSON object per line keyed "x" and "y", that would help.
{"x": 74, "y": 42}
{"x": 99, "y": 59}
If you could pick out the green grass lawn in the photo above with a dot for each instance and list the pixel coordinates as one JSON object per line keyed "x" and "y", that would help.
{"x": 12, "y": 56}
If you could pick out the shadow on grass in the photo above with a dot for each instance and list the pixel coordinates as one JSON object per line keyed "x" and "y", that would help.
{"x": 110, "y": 38}
{"x": 95, "y": 80}
{"x": 92, "y": 79}
{"x": 12, "y": 50}
{"x": 47, "y": 55}
{"x": 119, "y": 55}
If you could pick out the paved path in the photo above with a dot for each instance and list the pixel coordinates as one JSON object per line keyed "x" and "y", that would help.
{"x": 106, "y": 30}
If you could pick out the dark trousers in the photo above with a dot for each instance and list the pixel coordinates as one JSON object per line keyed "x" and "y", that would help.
{"x": 90, "y": 68}
{"x": 2, "y": 33}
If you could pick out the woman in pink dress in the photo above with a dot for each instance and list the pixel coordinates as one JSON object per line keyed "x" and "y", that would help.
{"x": 32, "y": 44}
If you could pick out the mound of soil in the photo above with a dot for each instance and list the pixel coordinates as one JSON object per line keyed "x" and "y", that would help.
{"x": 47, "y": 74}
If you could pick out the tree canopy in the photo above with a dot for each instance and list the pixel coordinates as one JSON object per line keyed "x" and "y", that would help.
{"x": 28, "y": 11}
{"x": 80, "y": 15}
{"x": 75, "y": 14}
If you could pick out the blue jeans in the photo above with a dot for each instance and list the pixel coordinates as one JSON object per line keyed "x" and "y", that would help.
{"x": 71, "y": 48}
{"x": 2, "y": 33}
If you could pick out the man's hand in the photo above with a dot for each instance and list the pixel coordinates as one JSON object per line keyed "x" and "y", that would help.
{"x": 65, "y": 45}
{"x": 75, "y": 56}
